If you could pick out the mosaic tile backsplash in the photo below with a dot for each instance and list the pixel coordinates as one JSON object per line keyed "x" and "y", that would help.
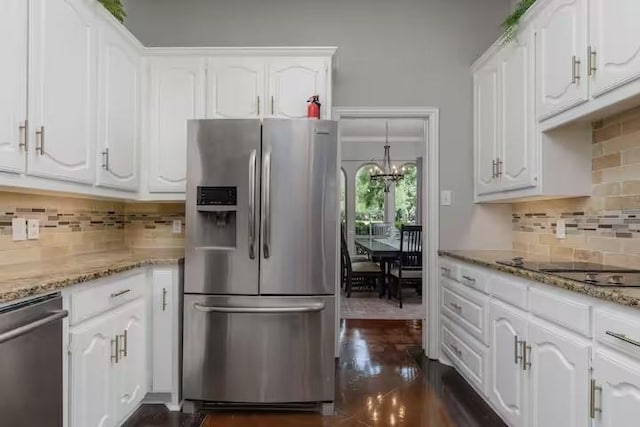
{"x": 604, "y": 227}
{"x": 72, "y": 225}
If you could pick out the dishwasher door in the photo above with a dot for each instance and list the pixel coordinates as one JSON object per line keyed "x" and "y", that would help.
{"x": 31, "y": 363}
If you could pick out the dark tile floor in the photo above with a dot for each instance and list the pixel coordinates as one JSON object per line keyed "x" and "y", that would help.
{"x": 382, "y": 380}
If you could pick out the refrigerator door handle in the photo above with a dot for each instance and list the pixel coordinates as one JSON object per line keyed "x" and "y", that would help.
{"x": 266, "y": 205}
{"x": 319, "y": 306}
{"x": 252, "y": 204}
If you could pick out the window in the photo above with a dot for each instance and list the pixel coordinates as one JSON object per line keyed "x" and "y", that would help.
{"x": 406, "y": 196}
{"x": 369, "y": 201}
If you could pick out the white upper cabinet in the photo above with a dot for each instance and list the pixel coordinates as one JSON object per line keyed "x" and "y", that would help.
{"x": 516, "y": 159}
{"x": 559, "y": 378}
{"x": 616, "y": 387}
{"x": 177, "y": 94}
{"x": 235, "y": 88}
{"x": 62, "y": 90}
{"x": 119, "y": 111}
{"x": 615, "y": 44}
{"x": 561, "y": 40}
{"x": 292, "y": 81}
{"x": 13, "y": 84}
{"x": 486, "y": 115}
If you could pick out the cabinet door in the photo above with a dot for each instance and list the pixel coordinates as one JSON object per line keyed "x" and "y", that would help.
{"x": 132, "y": 375}
{"x": 235, "y": 88}
{"x": 118, "y": 123}
{"x": 615, "y": 40}
{"x": 13, "y": 84}
{"x": 559, "y": 377}
{"x": 164, "y": 333}
{"x": 62, "y": 90}
{"x": 92, "y": 362}
{"x": 561, "y": 36}
{"x": 294, "y": 80}
{"x": 516, "y": 153}
{"x": 507, "y": 385}
{"x": 486, "y": 116}
{"x": 617, "y": 402}
{"x": 177, "y": 95}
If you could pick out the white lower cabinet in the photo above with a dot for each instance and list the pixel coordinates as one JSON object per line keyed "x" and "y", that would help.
{"x": 616, "y": 390}
{"x": 578, "y": 367}
{"x": 164, "y": 331}
{"x": 558, "y": 376}
{"x": 132, "y": 364}
{"x": 508, "y": 329}
{"x": 92, "y": 360}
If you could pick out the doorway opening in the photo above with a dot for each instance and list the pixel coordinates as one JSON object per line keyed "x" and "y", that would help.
{"x": 375, "y": 215}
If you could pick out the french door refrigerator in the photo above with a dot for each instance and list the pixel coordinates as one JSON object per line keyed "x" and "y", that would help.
{"x": 260, "y": 266}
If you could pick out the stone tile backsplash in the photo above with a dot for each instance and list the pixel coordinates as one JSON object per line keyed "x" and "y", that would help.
{"x": 604, "y": 227}
{"x": 70, "y": 226}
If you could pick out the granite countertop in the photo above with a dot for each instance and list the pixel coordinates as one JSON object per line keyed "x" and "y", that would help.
{"x": 34, "y": 278}
{"x": 620, "y": 295}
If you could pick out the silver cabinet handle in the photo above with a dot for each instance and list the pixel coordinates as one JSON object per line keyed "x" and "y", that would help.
{"x": 259, "y": 310}
{"x": 592, "y": 399}
{"x": 258, "y": 105}
{"x": 123, "y": 349}
{"x": 517, "y": 345}
{"x": 456, "y": 350}
{"x": 498, "y": 167}
{"x": 623, "y": 337}
{"x": 164, "y": 299}
{"x": 24, "y": 135}
{"x": 526, "y": 356}
{"x": 29, "y": 327}
{"x": 591, "y": 61}
{"x": 252, "y": 204}
{"x": 40, "y": 136}
{"x": 117, "y": 294}
{"x": 105, "y": 159}
{"x": 575, "y": 69}
{"x": 494, "y": 168}
{"x": 272, "y": 104}
{"x": 470, "y": 279}
{"x": 456, "y": 306}
{"x": 266, "y": 205}
{"x": 115, "y": 354}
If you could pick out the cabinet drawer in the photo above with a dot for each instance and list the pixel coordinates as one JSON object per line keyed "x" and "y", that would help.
{"x": 567, "y": 311}
{"x": 474, "y": 278}
{"x": 449, "y": 269}
{"x": 104, "y": 294}
{"x": 618, "y": 329}
{"x": 467, "y": 308}
{"x": 469, "y": 356}
{"x": 509, "y": 290}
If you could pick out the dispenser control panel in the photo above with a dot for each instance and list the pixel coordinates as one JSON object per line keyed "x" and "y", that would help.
{"x": 217, "y": 196}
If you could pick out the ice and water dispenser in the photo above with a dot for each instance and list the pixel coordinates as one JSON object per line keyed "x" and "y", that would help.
{"x": 217, "y": 209}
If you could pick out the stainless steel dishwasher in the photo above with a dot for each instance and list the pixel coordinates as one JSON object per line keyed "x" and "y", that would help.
{"x": 31, "y": 363}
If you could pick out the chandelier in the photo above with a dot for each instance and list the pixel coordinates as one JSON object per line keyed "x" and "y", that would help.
{"x": 388, "y": 173}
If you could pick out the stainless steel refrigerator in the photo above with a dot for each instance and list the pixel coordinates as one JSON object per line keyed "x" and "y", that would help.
{"x": 260, "y": 267}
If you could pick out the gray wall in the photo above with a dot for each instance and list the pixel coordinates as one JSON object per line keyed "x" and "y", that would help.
{"x": 391, "y": 53}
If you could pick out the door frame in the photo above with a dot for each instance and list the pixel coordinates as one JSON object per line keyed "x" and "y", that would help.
{"x": 430, "y": 213}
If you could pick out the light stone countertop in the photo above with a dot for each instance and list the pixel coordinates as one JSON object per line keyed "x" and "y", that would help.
{"x": 34, "y": 278}
{"x": 620, "y": 295}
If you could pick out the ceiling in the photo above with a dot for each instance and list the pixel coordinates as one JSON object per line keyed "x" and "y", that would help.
{"x": 373, "y": 130}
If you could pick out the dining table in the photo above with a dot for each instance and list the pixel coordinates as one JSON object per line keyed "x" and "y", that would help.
{"x": 384, "y": 250}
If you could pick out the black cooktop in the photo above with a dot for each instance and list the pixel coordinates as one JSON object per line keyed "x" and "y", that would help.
{"x": 562, "y": 266}
{"x": 584, "y": 272}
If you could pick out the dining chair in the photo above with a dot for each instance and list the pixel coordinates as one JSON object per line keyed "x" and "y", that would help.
{"x": 407, "y": 269}
{"x": 362, "y": 274}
